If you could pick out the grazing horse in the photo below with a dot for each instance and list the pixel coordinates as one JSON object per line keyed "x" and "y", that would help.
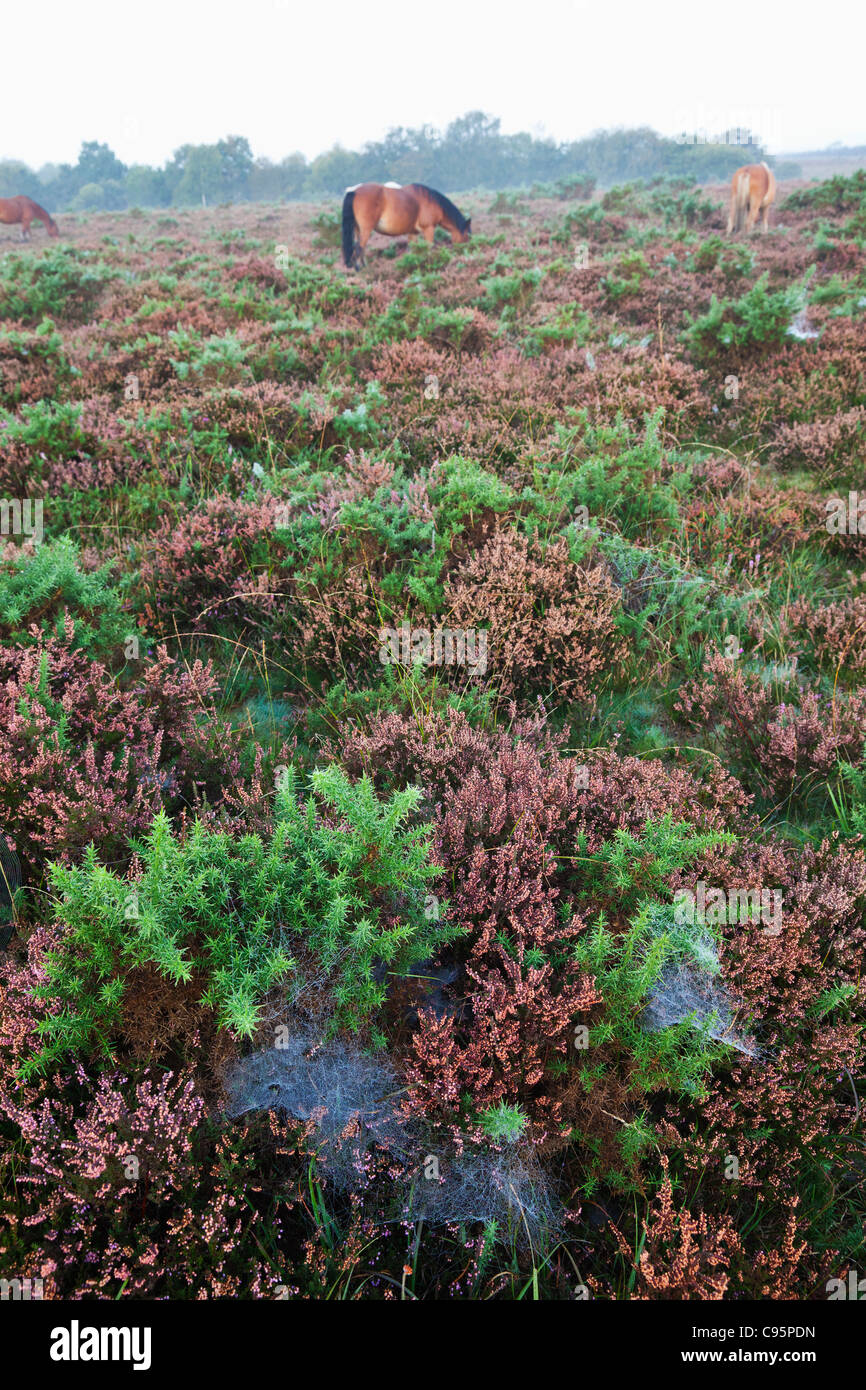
{"x": 23, "y": 209}
{"x": 753, "y": 189}
{"x": 396, "y": 211}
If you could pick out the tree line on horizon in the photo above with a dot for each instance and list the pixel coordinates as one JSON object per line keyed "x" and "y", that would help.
{"x": 472, "y": 152}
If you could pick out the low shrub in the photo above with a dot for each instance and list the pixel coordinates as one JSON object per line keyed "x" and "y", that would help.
{"x": 349, "y": 896}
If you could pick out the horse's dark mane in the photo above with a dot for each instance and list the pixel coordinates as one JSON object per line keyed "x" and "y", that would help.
{"x": 446, "y": 205}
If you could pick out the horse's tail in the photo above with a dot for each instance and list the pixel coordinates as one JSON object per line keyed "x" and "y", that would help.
{"x": 349, "y": 227}
{"x": 739, "y": 201}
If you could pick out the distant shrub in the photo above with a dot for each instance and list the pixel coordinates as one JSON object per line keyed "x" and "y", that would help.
{"x": 841, "y": 193}
{"x": 516, "y": 290}
{"x": 621, "y": 198}
{"x": 63, "y": 283}
{"x": 758, "y": 318}
{"x": 412, "y": 315}
{"x": 211, "y": 359}
{"x": 33, "y": 363}
{"x": 591, "y": 222}
{"x": 88, "y": 198}
{"x": 328, "y": 230}
{"x": 575, "y": 186}
{"x": 627, "y": 277}
{"x": 506, "y": 202}
{"x": 570, "y": 325}
{"x": 685, "y": 207}
{"x": 46, "y": 427}
{"x": 788, "y": 169}
{"x": 715, "y": 253}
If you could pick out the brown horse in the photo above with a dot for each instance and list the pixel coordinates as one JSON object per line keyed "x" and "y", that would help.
{"x": 23, "y": 209}
{"x": 396, "y": 211}
{"x": 753, "y": 189}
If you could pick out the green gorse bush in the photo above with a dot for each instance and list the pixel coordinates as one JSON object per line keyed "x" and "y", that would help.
{"x": 344, "y": 886}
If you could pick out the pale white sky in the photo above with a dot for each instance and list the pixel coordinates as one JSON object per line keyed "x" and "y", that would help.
{"x": 303, "y": 74}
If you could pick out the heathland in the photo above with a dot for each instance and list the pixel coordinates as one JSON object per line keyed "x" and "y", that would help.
{"x": 432, "y": 764}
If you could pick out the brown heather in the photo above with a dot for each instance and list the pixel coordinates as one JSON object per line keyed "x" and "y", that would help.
{"x": 551, "y": 623}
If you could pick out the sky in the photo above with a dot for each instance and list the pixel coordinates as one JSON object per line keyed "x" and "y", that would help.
{"x": 308, "y": 74}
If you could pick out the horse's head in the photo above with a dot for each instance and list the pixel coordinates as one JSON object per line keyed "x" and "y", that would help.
{"x": 464, "y": 233}
{"x": 53, "y": 229}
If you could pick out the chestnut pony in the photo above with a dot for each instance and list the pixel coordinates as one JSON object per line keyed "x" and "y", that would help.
{"x": 24, "y": 210}
{"x": 753, "y": 189}
{"x": 396, "y": 211}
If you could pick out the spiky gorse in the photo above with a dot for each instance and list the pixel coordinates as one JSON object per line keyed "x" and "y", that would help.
{"x": 343, "y": 883}
{"x": 39, "y": 586}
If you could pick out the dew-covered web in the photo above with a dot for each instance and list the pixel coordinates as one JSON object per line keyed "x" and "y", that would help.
{"x": 353, "y": 1100}
{"x": 690, "y": 986}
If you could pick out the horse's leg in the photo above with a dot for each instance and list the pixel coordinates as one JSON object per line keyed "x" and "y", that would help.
{"x": 364, "y": 234}
{"x": 25, "y": 229}
{"x": 429, "y": 233}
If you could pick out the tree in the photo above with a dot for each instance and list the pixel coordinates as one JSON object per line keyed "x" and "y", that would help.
{"x": 147, "y": 188}
{"x": 335, "y": 170}
{"x": 97, "y": 164}
{"x": 236, "y": 164}
{"x": 196, "y": 172}
{"x": 273, "y": 183}
{"x": 15, "y": 177}
{"x": 472, "y": 152}
{"x": 211, "y": 173}
{"x": 89, "y": 198}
